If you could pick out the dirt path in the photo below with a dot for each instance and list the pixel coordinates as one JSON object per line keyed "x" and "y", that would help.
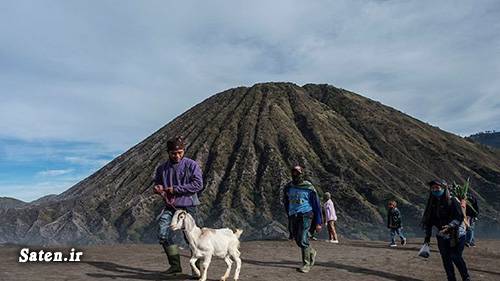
{"x": 262, "y": 260}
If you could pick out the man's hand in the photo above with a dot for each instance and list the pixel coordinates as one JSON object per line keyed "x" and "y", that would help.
{"x": 158, "y": 189}
{"x": 318, "y": 228}
{"x": 169, "y": 190}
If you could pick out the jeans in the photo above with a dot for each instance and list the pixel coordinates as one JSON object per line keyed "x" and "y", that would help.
{"x": 300, "y": 225}
{"x": 167, "y": 236}
{"x": 396, "y": 231}
{"x": 453, "y": 255}
{"x": 469, "y": 236}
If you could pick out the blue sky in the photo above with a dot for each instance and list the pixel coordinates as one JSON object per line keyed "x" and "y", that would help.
{"x": 84, "y": 81}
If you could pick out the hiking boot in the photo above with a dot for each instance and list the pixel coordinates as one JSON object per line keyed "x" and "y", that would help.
{"x": 174, "y": 259}
{"x": 403, "y": 242}
{"x": 393, "y": 245}
{"x": 304, "y": 269}
{"x": 306, "y": 260}
{"x": 312, "y": 257}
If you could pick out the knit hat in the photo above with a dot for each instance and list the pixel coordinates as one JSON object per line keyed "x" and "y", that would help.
{"x": 440, "y": 182}
{"x": 175, "y": 143}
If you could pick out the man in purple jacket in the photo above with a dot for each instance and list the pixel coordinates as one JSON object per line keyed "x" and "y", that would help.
{"x": 178, "y": 181}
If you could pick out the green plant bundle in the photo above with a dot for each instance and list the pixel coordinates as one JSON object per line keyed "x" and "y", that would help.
{"x": 461, "y": 192}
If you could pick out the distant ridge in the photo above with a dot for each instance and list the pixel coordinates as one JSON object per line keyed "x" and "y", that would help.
{"x": 8, "y": 202}
{"x": 487, "y": 138}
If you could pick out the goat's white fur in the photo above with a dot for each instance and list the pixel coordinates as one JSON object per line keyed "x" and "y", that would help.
{"x": 207, "y": 242}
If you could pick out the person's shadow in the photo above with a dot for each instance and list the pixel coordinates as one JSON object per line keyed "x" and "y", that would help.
{"x": 415, "y": 248}
{"x": 128, "y": 272}
{"x": 350, "y": 268}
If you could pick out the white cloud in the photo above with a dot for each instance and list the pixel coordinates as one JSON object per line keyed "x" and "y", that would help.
{"x": 109, "y": 74}
{"x": 86, "y": 161}
{"x": 54, "y": 173}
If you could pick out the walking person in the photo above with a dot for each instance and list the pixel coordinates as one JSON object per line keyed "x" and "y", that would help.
{"x": 444, "y": 212}
{"x": 177, "y": 181}
{"x": 302, "y": 206}
{"x": 472, "y": 212}
{"x": 330, "y": 218}
{"x": 394, "y": 223}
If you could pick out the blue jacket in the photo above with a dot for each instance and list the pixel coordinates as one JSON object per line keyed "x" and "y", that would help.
{"x": 312, "y": 197}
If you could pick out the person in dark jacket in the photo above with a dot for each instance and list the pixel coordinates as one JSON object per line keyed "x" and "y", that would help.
{"x": 177, "y": 181}
{"x": 394, "y": 223}
{"x": 303, "y": 208}
{"x": 472, "y": 212}
{"x": 445, "y": 213}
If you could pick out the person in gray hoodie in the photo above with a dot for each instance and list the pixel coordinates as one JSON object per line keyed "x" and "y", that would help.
{"x": 178, "y": 182}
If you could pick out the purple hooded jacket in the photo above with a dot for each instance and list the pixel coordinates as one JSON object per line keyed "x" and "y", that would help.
{"x": 185, "y": 177}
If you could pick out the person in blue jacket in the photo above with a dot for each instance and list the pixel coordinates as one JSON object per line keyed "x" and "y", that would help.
{"x": 303, "y": 208}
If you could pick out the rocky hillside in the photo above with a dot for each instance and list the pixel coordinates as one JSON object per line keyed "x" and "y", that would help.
{"x": 8, "y": 202}
{"x": 487, "y": 138}
{"x": 245, "y": 140}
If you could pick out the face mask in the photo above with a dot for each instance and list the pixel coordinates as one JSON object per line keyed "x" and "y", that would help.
{"x": 438, "y": 193}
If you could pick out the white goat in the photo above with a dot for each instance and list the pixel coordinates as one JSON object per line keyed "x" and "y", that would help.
{"x": 206, "y": 242}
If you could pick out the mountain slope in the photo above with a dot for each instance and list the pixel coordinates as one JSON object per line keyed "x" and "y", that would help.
{"x": 245, "y": 140}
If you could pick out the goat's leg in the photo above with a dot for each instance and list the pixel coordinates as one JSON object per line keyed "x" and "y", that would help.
{"x": 235, "y": 254}
{"x": 229, "y": 262}
{"x": 196, "y": 270}
{"x": 206, "y": 262}
{"x": 238, "y": 266}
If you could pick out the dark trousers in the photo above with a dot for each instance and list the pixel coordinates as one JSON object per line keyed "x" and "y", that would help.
{"x": 300, "y": 225}
{"x": 453, "y": 255}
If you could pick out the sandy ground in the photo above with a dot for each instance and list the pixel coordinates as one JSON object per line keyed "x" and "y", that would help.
{"x": 262, "y": 260}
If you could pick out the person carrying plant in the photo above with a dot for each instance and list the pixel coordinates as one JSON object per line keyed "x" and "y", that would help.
{"x": 472, "y": 212}
{"x": 443, "y": 211}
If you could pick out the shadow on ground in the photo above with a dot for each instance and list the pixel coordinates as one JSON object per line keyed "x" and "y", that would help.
{"x": 485, "y": 271}
{"x": 414, "y": 248}
{"x": 350, "y": 268}
{"x": 128, "y": 272}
